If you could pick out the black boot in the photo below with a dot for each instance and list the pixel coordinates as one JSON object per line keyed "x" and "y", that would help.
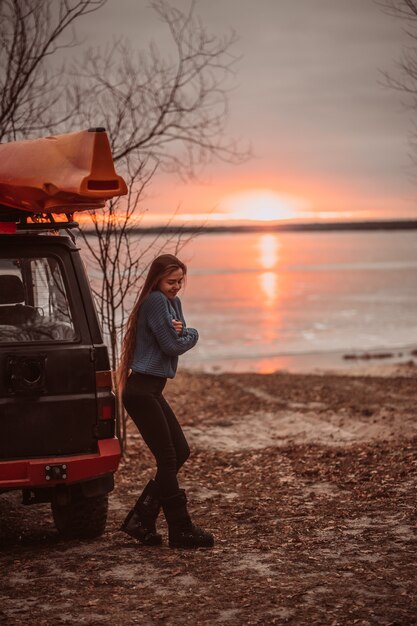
{"x": 140, "y": 522}
{"x": 182, "y": 533}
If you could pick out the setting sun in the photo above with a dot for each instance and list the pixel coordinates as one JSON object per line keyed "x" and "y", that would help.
{"x": 263, "y": 205}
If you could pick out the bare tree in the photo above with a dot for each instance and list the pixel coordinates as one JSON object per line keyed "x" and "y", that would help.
{"x": 161, "y": 112}
{"x": 405, "y": 78}
{"x": 31, "y": 33}
{"x": 401, "y": 8}
{"x": 169, "y": 113}
{"x": 120, "y": 258}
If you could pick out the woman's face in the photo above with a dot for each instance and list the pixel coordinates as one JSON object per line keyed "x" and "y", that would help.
{"x": 172, "y": 283}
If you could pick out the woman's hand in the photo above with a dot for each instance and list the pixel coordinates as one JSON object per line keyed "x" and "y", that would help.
{"x": 178, "y": 326}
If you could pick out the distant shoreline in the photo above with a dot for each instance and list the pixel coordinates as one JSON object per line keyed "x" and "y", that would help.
{"x": 368, "y": 225}
{"x": 310, "y": 362}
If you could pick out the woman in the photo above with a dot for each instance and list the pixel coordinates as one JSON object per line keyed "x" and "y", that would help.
{"x": 156, "y": 335}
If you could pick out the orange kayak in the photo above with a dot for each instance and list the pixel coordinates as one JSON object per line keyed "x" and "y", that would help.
{"x": 59, "y": 174}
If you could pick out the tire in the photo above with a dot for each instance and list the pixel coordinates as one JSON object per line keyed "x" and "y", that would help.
{"x": 83, "y": 518}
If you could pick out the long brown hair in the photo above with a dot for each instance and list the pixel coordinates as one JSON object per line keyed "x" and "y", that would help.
{"x": 160, "y": 267}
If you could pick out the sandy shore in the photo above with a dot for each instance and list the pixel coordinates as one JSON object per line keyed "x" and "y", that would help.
{"x": 308, "y": 483}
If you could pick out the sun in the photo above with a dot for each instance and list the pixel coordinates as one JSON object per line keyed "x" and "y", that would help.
{"x": 262, "y": 205}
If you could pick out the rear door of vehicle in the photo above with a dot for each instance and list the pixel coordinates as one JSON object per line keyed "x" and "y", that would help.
{"x": 48, "y": 403}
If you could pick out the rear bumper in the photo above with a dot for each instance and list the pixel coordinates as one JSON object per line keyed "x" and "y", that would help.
{"x": 21, "y": 474}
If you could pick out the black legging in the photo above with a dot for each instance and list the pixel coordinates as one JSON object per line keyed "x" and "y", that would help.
{"x": 156, "y": 421}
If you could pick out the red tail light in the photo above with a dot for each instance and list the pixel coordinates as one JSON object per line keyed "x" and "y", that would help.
{"x": 104, "y": 380}
{"x": 105, "y": 396}
{"x": 8, "y": 228}
{"x": 107, "y": 408}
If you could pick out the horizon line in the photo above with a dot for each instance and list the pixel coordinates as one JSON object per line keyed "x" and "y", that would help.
{"x": 356, "y": 225}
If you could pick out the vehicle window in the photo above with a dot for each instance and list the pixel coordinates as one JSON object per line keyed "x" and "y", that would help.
{"x": 34, "y": 305}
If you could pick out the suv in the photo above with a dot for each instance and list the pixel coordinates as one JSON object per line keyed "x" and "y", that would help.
{"x": 57, "y": 407}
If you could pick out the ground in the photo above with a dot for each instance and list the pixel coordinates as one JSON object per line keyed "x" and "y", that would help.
{"x": 308, "y": 483}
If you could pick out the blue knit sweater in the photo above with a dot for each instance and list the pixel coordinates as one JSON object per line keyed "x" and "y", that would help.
{"x": 158, "y": 344}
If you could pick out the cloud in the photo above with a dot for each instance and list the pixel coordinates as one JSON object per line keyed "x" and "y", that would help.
{"x": 308, "y": 89}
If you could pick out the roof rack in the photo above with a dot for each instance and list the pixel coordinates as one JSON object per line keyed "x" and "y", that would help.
{"x": 13, "y": 220}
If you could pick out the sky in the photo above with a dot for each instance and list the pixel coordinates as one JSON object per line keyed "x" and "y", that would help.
{"x": 329, "y": 139}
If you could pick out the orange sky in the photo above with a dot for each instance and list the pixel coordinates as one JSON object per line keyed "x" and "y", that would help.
{"x": 236, "y": 195}
{"x": 329, "y": 139}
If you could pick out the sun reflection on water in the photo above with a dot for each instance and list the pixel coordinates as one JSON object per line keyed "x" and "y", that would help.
{"x": 269, "y": 286}
{"x": 268, "y": 250}
{"x": 268, "y": 246}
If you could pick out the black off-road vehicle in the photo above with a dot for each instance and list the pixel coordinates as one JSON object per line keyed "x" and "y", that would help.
{"x": 57, "y": 409}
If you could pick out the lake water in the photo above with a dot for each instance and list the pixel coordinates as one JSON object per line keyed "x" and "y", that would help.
{"x": 263, "y": 301}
